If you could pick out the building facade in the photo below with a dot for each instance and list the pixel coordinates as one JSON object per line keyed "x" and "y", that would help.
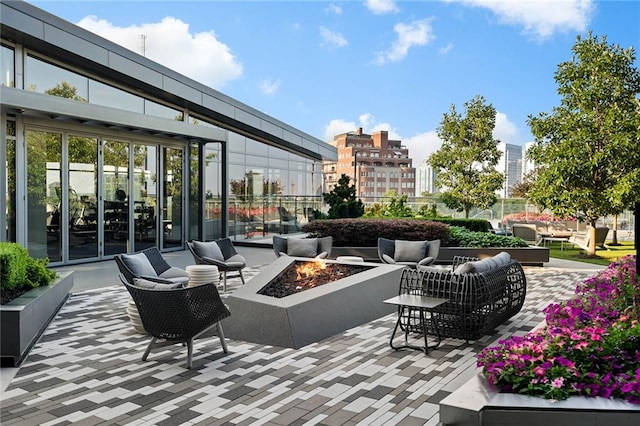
{"x": 107, "y": 152}
{"x": 425, "y": 179}
{"x": 510, "y": 164}
{"x": 376, "y": 163}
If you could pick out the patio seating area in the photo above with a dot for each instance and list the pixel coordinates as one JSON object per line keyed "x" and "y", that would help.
{"x": 87, "y": 368}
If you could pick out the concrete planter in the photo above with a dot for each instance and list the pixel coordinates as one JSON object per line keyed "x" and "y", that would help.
{"x": 24, "y": 319}
{"x": 478, "y": 404}
{"x": 531, "y": 256}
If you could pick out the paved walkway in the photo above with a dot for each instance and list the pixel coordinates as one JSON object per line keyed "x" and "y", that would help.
{"x": 86, "y": 369}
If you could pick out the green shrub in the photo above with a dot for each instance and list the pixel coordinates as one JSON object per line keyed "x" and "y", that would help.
{"x": 476, "y": 225}
{"x": 18, "y": 269}
{"x": 365, "y": 232}
{"x": 462, "y": 237}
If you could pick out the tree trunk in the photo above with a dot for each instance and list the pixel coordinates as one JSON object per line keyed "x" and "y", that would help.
{"x": 614, "y": 234}
{"x": 592, "y": 238}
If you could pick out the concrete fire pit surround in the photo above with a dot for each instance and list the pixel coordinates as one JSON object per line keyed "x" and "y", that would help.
{"x": 311, "y": 315}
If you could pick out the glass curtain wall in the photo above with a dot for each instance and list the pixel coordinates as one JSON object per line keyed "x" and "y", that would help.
{"x": 10, "y": 182}
{"x": 115, "y": 188}
{"x": 145, "y": 200}
{"x": 212, "y": 192}
{"x": 172, "y": 215}
{"x": 83, "y": 197}
{"x": 46, "y": 203}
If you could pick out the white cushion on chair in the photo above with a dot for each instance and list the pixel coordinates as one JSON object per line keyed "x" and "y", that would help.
{"x": 208, "y": 249}
{"x": 139, "y": 264}
{"x": 302, "y": 247}
{"x": 410, "y": 251}
{"x": 142, "y": 283}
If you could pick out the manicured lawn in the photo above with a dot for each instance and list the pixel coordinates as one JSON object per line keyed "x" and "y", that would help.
{"x": 604, "y": 257}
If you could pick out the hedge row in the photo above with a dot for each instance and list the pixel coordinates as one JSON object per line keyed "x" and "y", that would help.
{"x": 365, "y": 232}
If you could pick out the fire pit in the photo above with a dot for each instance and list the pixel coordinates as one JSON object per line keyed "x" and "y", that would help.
{"x": 303, "y": 317}
{"x": 304, "y": 275}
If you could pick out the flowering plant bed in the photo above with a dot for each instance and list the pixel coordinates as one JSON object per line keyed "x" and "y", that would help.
{"x": 589, "y": 346}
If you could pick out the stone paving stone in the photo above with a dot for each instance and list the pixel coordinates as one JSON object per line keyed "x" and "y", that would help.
{"x": 90, "y": 354}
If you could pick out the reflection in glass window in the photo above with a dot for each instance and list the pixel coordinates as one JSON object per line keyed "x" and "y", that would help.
{"x": 44, "y": 195}
{"x": 43, "y": 77}
{"x": 102, "y": 94}
{"x": 7, "y": 66}
{"x": 157, "y": 110}
{"x": 10, "y": 183}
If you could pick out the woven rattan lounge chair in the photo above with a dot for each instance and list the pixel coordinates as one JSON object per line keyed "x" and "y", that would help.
{"x": 478, "y": 301}
{"x": 220, "y": 253}
{"x": 178, "y": 315}
{"x": 528, "y": 232}
{"x": 149, "y": 264}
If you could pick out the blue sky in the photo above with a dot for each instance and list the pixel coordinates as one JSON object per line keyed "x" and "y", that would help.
{"x": 328, "y": 67}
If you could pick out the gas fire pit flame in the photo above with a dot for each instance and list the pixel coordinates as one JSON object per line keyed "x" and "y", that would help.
{"x": 309, "y": 269}
{"x": 303, "y": 275}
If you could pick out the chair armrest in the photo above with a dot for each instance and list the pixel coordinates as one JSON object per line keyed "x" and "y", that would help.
{"x": 157, "y": 279}
{"x": 388, "y": 259}
{"x": 426, "y": 261}
{"x": 216, "y": 262}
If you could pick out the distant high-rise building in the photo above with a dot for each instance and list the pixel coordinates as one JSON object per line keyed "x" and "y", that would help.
{"x": 425, "y": 179}
{"x": 377, "y": 163}
{"x": 527, "y": 165}
{"x": 510, "y": 164}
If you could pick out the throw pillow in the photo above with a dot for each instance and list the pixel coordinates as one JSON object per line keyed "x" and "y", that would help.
{"x": 302, "y": 247}
{"x": 464, "y": 268}
{"x": 208, "y": 249}
{"x": 142, "y": 283}
{"x": 139, "y": 264}
{"x": 485, "y": 265}
{"x": 502, "y": 258}
{"x": 410, "y": 251}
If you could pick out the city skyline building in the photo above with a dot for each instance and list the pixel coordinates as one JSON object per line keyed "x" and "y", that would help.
{"x": 375, "y": 164}
{"x": 510, "y": 164}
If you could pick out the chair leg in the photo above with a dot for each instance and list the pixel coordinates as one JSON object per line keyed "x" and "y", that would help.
{"x": 241, "y": 276}
{"x": 149, "y": 346}
{"x": 222, "y": 340}
{"x": 189, "y": 352}
{"x": 224, "y": 281}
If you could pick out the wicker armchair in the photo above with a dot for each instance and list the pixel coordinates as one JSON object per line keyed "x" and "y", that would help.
{"x": 149, "y": 264}
{"x": 220, "y": 253}
{"x": 478, "y": 302}
{"x": 178, "y": 315}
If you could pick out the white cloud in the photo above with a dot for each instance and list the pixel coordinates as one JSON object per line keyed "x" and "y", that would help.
{"x": 505, "y": 131}
{"x": 381, "y": 7}
{"x": 200, "y": 56}
{"x": 445, "y": 49}
{"x": 330, "y": 38}
{"x": 541, "y": 18}
{"x": 416, "y": 33}
{"x": 269, "y": 87}
{"x": 422, "y": 145}
{"x": 333, "y": 9}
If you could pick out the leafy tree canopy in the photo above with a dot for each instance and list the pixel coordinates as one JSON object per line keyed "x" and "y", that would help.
{"x": 465, "y": 164}
{"x": 587, "y": 149}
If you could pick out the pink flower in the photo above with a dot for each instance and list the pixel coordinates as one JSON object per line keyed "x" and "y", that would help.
{"x": 558, "y": 382}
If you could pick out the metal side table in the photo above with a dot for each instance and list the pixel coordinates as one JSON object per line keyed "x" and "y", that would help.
{"x": 422, "y": 304}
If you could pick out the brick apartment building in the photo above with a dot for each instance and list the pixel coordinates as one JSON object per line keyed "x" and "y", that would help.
{"x": 378, "y": 164}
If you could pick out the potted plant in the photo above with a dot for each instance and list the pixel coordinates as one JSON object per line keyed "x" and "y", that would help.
{"x": 31, "y": 296}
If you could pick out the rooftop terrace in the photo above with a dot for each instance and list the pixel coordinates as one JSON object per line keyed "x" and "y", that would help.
{"x": 87, "y": 369}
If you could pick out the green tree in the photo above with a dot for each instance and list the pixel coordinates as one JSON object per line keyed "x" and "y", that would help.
{"x": 586, "y": 149}
{"x": 342, "y": 200}
{"x": 465, "y": 164}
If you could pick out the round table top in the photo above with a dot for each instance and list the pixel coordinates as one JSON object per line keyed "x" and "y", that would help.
{"x": 201, "y": 268}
